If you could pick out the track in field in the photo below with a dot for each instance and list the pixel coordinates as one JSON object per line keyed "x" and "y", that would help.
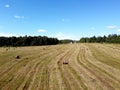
{"x": 89, "y": 67}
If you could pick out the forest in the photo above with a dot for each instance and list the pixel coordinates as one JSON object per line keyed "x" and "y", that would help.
{"x": 111, "y": 38}
{"x": 27, "y": 41}
{"x": 44, "y": 40}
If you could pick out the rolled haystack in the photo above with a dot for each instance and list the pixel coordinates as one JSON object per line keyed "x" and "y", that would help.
{"x": 17, "y": 57}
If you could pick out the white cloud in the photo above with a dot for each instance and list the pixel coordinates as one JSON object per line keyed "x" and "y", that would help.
{"x": 61, "y": 36}
{"x": 19, "y": 17}
{"x": 7, "y": 5}
{"x": 7, "y": 35}
{"x": 41, "y": 30}
{"x": 111, "y": 27}
{"x": 92, "y": 28}
{"x": 118, "y": 30}
{"x": 65, "y": 20}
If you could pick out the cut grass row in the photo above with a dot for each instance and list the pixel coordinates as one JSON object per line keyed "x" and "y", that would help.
{"x": 90, "y": 67}
{"x": 101, "y": 74}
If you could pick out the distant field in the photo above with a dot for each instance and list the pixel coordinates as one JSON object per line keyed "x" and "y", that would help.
{"x": 87, "y": 67}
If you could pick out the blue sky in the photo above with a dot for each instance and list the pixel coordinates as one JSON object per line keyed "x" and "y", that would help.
{"x": 64, "y": 19}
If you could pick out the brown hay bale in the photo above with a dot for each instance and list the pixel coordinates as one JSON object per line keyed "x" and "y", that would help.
{"x": 58, "y": 62}
{"x": 26, "y": 58}
{"x": 65, "y": 62}
{"x": 6, "y": 49}
{"x": 44, "y": 48}
{"x": 17, "y": 57}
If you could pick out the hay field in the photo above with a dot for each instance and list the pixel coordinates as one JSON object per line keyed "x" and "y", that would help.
{"x": 87, "y": 67}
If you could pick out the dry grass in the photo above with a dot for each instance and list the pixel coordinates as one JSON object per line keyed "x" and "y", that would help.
{"x": 89, "y": 67}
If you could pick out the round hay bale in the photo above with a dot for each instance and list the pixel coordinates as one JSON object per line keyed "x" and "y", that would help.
{"x": 17, "y": 57}
{"x": 58, "y": 62}
{"x": 65, "y": 62}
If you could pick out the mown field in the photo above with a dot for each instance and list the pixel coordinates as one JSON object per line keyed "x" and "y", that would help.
{"x": 88, "y": 67}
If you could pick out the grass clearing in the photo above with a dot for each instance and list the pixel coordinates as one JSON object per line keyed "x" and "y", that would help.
{"x": 89, "y": 67}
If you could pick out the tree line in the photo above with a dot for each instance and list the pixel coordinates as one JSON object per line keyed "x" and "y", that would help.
{"x": 27, "y": 41}
{"x": 65, "y": 41}
{"x": 44, "y": 40}
{"x": 111, "y": 38}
